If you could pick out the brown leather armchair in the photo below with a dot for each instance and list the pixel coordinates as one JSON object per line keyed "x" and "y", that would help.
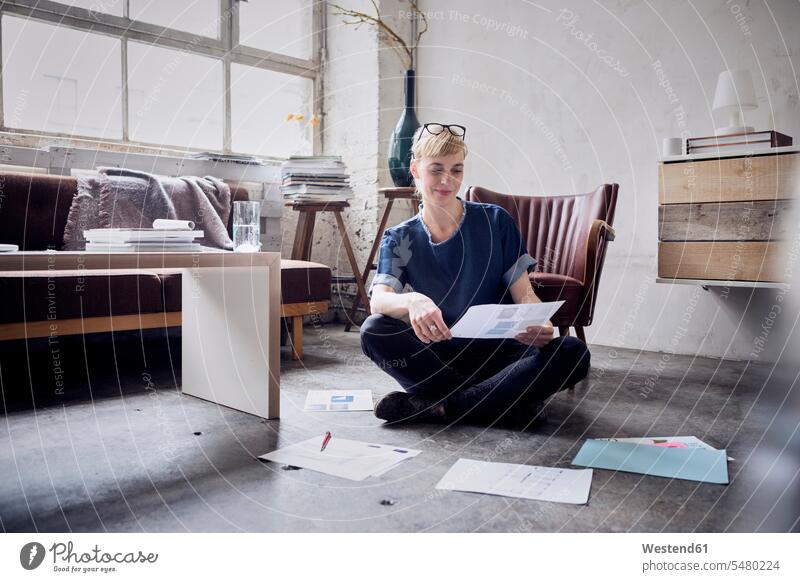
{"x": 567, "y": 235}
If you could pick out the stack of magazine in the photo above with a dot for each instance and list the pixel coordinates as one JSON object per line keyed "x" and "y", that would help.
{"x": 232, "y": 158}
{"x": 315, "y": 178}
{"x": 142, "y": 240}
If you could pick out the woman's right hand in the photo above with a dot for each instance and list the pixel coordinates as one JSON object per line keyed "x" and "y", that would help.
{"x": 426, "y": 319}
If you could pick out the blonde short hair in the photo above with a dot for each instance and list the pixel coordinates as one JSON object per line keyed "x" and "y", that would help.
{"x": 427, "y": 145}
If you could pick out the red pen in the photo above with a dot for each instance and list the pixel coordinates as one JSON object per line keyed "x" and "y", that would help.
{"x": 325, "y": 441}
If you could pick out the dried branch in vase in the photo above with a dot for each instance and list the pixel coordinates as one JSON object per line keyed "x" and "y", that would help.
{"x": 386, "y": 32}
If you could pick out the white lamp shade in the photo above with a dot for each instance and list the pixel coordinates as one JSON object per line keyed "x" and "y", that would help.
{"x": 735, "y": 90}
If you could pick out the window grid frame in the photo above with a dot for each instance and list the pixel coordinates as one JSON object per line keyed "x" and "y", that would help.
{"x": 224, "y": 48}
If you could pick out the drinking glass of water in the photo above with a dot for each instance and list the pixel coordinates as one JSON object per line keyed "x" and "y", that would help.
{"x": 246, "y": 227}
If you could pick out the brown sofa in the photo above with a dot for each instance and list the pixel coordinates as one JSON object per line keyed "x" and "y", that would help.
{"x": 33, "y": 214}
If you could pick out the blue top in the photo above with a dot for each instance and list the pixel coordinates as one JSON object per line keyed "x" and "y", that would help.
{"x": 475, "y": 266}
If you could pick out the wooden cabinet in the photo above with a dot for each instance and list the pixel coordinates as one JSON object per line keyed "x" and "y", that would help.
{"x": 722, "y": 219}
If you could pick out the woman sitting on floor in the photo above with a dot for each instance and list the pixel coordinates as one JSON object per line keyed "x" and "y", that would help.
{"x": 455, "y": 254}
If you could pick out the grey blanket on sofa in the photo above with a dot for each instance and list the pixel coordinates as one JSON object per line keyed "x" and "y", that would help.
{"x": 120, "y": 198}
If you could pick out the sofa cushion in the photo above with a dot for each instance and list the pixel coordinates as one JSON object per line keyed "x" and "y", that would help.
{"x": 304, "y": 281}
{"x": 553, "y": 287}
{"x": 42, "y": 295}
{"x": 34, "y": 209}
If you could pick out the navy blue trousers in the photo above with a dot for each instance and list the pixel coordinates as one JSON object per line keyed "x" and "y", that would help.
{"x": 477, "y": 379}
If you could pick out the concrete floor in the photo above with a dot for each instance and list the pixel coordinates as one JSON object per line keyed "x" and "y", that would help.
{"x": 138, "y": 459}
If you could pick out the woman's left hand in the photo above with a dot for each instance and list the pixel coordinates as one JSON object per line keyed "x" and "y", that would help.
{"x": 536, "y": 335}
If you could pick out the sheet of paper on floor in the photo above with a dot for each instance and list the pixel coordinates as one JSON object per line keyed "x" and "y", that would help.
{"x": 693, "y": 464}
{"x": 338, "y": 400}
{"x": 503, "y": 320}
{"x": 344, "y": 458}
{"x": 523, "y": 481}
{"x": 688, "y": 441}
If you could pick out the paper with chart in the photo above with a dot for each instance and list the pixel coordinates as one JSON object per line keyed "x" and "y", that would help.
{"x": 344, "y": 458}
{"x": 671, "y": 442}
{"x": 503, "y": 320}
{"x": 524, "y": 481}
{"x": 338, "y": 400}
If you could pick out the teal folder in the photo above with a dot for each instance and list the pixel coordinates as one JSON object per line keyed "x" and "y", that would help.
{"x": 694, "y": 464}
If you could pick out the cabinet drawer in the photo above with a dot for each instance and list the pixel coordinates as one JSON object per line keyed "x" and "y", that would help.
{"x": 768, "y": 177}
{"x": 736, "y": 261}
{"x": 761, "y": 220}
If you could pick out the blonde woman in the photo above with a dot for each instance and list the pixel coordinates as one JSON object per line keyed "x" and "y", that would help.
{"x": 455, "y": 254}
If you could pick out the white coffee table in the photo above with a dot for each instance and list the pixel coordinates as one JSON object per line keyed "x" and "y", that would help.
{"x": 230, "y": 317}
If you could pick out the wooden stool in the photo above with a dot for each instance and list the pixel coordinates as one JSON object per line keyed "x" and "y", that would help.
{"x": 391, "y": 194}
{"x": 304, "y": 235}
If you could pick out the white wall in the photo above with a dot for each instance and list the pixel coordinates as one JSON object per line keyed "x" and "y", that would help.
{"x": 559, "y": 97}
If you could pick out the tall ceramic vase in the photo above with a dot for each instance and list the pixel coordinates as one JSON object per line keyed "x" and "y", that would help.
{"x": 402, "y": 136}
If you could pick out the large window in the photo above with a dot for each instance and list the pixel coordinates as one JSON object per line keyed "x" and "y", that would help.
{"x": 200, "y": 17}
{"x": 60, "y": 80}
{"x": 280, "y": 26}
{"x": 197, "y": 74}
{"x": 258, "y": 98}
{"x": 174, "y": 96}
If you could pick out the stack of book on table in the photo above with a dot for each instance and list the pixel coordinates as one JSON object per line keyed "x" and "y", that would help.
{"x": 315, "y": 178}
{"x": 142, "y": 240}
{"x": 737, "y": 142}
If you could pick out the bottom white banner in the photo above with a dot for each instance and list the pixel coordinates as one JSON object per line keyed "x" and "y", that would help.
{"x": 463, "y": 557}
